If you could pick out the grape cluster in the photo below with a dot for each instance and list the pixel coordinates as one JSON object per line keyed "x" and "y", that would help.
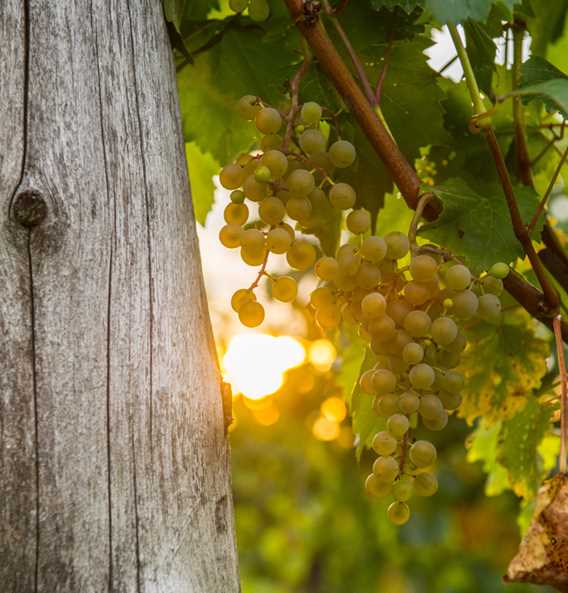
{"x": 408, "y": 302}
{"x": 258, "y": 10}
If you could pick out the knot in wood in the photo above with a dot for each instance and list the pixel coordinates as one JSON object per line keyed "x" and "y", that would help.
{"x": 29, "y": 209}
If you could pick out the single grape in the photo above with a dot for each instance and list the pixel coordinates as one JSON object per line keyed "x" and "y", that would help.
{"x": 262, "y": 174}
{"x": 422, "y": 453}
{"x": 299, "y": 208}
{"x": 452, "y": 381}
{"x": 430, "y": 406}
{"x": 268, "y": 120}
{"x": 383, "y": 329}
{"x": 311, "y": 113}
{"x": 465, "y": 304}
{"x": 399, "y": 340}
{"x": 398, "y": 309}
{"x": 322, "y": 296}
{"x": 413, "y": 353}
{"x": 438, "y": 423}
{"x": 425, "y": 484}
{"x": 384, "y": 381}
{"x": 312, "y": 141}
{"x": 326, "y": 268}
{"x": 373, "y": 305}
{"x": 300, "y": 182}
{"x": 421, "y": 376}
{"x": 276, "y": 162}
{"x": 241, "y": 297}
{"x": 230, "y": 235}
{"x": 237, "y": 196}
{"x": 448, "y": 359}
{"x": 386, "y": 468}
{"x": 492, "y": 285}
{"x": 247, "y": 106}
{"x": 252, "y": 238}
{"x": 342, "y": 196}
{"x": 387, "y": 405}
{"x": 231, "y": 176}
{"x": 376, "y": 487}
{"x": 397, "y": 245}
{"x": 398, "y": 513}
{"x": 366, "y": 382}
{"x": 348, "y": 259}
{"x": 328, "y": 316}
{"x": 368, "y": 275}
{"x": 398, "y": 425}
{"x": 270, "y": 141}
{"x": 278, "y": 240}
{"x": 458, "y": 277}
{"x": 342, "y": 153}
{"x": 444, "y": 331}
{"x": 423, "y": 268}
{"x": 251, "y": 314}
{"x": 301, "y": 255}
{"x": 236, "y": 213}
{"x": 416, "y": 294}
{"x": 358, "y": 221}
{"x": 259, "y": 10}
{"x": 285, "y": 289}
{"x": 403, "y": 488}
{"x": 374, "y": 249}
{"x": 271, "y": 211}
{"x": 255, "y": 190}
{"x": 417, "y": 323}
{"x": 318, "y": 199}
{"x": 253, "y": 256}
{"x": 499, "y": 270}
{"x": 384, "y": 443}
{"x": 450, "y": 401}
{"x": 408, "y": 402}
{"x": 489, "y": 308}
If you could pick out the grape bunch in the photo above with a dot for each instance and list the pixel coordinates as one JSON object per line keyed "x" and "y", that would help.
{"x": 408, "y": 302}
{"x": 258, "y": 10}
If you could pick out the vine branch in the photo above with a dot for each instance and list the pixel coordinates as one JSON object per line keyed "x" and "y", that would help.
{"x": 294, "y": 95}
{"x": 563, "y": 399}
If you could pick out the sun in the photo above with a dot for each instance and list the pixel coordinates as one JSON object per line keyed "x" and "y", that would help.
{"x": 255, "y": 363}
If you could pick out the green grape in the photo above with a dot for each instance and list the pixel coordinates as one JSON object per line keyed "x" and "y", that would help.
{"x": 252, "y": 238}
{"x": 236, "y": 214}
{"x": 422, "y": 453}
{"x": 492, "y": 285}
{"x": 247, "y": 106}
{"x": 251, "y": 314}
{"x": 321, "y": 297}
{"x": 413, "y": 353}
{"x": 384, "y": 381}
{"x": 311, "y": 113}
{"x": 318, "y": 199}
{"x": 366, "y": 382}
{"x": 397, "y": 245}
{"x": 348, "y": 259}
{"x": 417, "y": 323}
{"x": 312, "y": 141}
{"x": 342, "y": 153}
{"x": 373, "y": 305}
{"x": 276, "y": 162}
{"x": 254, "y": 190}
{"x": 398, "y": 309}
{"x": 386, "y": 468}
{"x": 230, "y": 235}
{"x": 452, "y": 381}
{"x": 438, "y": 423}
{"x": 421, "y": 376}
{"x": 345, "y": 282}
{"x": 399, "y": 340}
{"x": 322, "y": 162}
{"x": 416, "y": 294}
{"x": 268, "y": 120}
{"x": 278, "y": 240}
{"x": 326, "y": 268}
{"x": 387, "y": 405}
{"x": 430, "y": 406}
{"x": 231, "y": 176}
{"x": 358, "y": 221}
{"x": 489, "y": 308}
{"x": 444, "y": 331}
{"x": 300, "y": 182}
{"x": 270, "y": 141}
{"x": 448, "y": 359}
{"x": 423, "y": 268}
{"x": 374, "y": 249}
{"x": 376, "y": 487}
{"x": 458, "y": 277}
{"x": 398, "y": 513}
{"x": 328, "y": 316}
{"x": 368, "y": 276}
{"x": 237, "y": 196}
{"x": 259, "y": 10}
{"x": 450, "y": 401}
{"x": 425, "y": 484}
{"x": 263, "y": 174}
{"x": 253, "y": 256}
{"x": 499, "y": 270}
{"x": 383, "y": 329}
{"x": 271, "y": 211}
{"x": 301, "y": 255}
{"x": 299, "y": 208}
{"x": 342, "y": 196}
{"x": 403, "y": 488}
{"x": 285, "y": 289}
{"x": 408, "y": 402}
{"x": 241, "y": 297}
{"x": 384, "y": 443}
{"x": 430, "y": 354}
{"x": 465, "y": 304}
{"x": 398, "y": 425}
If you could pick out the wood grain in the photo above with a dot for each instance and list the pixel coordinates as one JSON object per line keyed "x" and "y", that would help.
{"x": 114, "y": 466}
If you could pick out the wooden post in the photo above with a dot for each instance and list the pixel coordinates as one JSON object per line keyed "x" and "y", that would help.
{"x": 114, "y": 467}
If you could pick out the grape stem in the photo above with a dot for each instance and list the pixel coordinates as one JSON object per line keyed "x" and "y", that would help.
{"x": 422, "y": 202}
{"x": 384, "y": 70}
{"x": 295, "y": 93}
{"x": 261, "y": 272}
{"x": 557, "y": 322}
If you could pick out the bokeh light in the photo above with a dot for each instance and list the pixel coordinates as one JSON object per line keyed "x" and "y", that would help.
{"x": 333, "y": 408}
{"x": 322, "y": 355}
{"x": 255, "y": 363}
{"x": 325, "y": 430}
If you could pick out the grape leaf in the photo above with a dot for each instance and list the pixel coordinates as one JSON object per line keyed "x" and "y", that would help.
{"x": 546, "y": 23}
{"x": 174, "y": 12}
{"x": 478, "y": 227}
{"x": 537, "y": 69}
{"x": 483, "y": 444}
{"x": 521, "y": 436}
{"x": 457, "y": 11}
{"x": 554, "y": 93}
{"x": 481, "y": 50}
{"x": 502, "y": 365}
{"x": 202, "y": 167}
{"x": 407, "y": 5}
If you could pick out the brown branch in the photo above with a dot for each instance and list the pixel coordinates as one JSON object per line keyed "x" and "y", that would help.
{"x": 294, "y": 96}
{"x": 340, "y": 6}
{"x": 563, "y": 399}
{"x": 555, "y": 265}
{"x": 384, "y": 70}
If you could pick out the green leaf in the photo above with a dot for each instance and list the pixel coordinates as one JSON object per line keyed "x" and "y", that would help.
{"x": 502, "y": 365}
{"x": 457, "y": 11}
{"x": 202, "y": 167}
{"x": 407, "y": 5}
{"x": 546, "y": 23}
{"x": 174, "y": 11}
{"x": 481, "y": 50}
{"x": 353, "y": 351}
{"x": 483, "y": 444}
{"x": 536, "y": 70}
{"x": 521, "y": 436}
{"x": 553, "y": 92}
{"x": 478, "y": 227}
